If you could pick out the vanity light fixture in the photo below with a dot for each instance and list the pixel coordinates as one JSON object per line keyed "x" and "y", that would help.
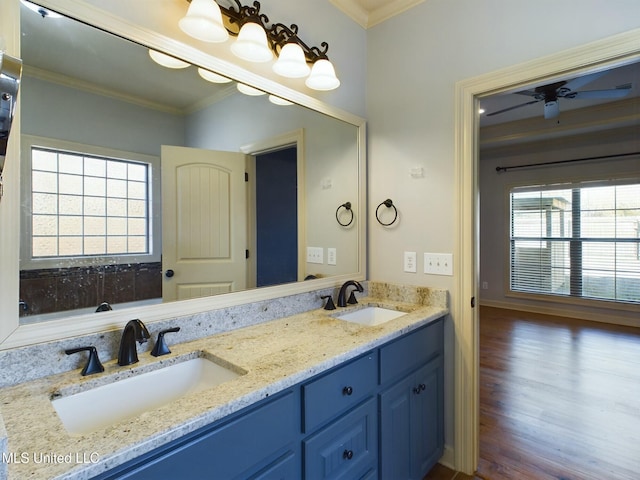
{"x": 279, "y": 101}
{"x": 203, "y": 21}
{"x": 167, "y": 60}
{"x": 251, "y": 44}
{"x": 247, "y": 90}
{"x": 212, "y": 77}
{"x": 257, "y": 41}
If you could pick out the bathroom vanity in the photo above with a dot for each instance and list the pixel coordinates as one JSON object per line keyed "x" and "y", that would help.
{"x": 326, "y": 427}
{"x": 314, "y": 397}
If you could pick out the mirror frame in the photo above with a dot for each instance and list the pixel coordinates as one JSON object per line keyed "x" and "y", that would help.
{"x": 12, "y": 334}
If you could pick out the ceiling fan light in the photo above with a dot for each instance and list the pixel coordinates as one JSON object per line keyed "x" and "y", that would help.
{"x": 203, "y": 21}
{"x": 291, "y": 62}
{"x": 167, "y": 60}
{"x": 247, "y": 90}
{"x": 551, "y": 109}
{"x": 212, "y": 77}
{"x": 323, "y": 76}
{"x": 251, "y": 44}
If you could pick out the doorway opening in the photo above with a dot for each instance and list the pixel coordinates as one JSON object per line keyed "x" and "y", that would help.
{"x": 276, "y": 210}
{"x": 613, "y": 51}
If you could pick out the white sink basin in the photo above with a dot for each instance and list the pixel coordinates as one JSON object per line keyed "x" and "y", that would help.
{"x": 371, "y": 316}
{"x": 105, "y": 405}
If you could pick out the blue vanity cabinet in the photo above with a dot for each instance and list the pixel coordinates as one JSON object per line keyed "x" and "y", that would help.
{"x": 340, "y": 416}
{"x": 412, "y": 404}
{"x": 378, "y": 416}
{"x": 256, "y": 443}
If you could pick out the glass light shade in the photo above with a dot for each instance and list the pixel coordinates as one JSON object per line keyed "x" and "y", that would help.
{"x": 212, "y": 77}
{"x": 291, "y": 62}
{"x": 247, "y": 90}
{"x": 166, "y": 60}
{"x": 323, "y": 76}
{"x": 203, "y": 21}
{"x": 251, "y": 44}
{"x": 279, "y": 101}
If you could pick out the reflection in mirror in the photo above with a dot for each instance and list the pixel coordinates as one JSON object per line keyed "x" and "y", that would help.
{"x": 133, "y": 180}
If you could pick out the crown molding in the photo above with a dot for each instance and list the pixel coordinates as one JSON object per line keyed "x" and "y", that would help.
{"x": 370, "y": 13}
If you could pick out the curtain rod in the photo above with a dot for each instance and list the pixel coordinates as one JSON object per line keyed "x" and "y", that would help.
{"x": 504, "y": 169}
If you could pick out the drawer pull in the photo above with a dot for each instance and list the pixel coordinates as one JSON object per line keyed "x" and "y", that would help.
{"x": 347, "y": 391}
{"x": 419, "y": 388}
{"x": 348, "y": 454}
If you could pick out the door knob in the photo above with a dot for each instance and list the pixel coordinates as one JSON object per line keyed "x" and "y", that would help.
{"x": 169, "y": 273}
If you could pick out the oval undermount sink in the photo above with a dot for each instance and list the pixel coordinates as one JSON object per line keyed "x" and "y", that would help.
{"x": 371, "y": 316}
{"x": 104, "y": 405}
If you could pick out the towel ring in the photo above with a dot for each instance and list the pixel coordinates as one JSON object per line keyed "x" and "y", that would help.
{"x": 347, "y": 207}
{"x": 389, "y": 204}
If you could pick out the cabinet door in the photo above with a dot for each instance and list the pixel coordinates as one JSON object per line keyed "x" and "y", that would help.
{"x": 411, "y": 424}
{"x": 395, "y": 430}
{"x": 427, "y": 434}
{"x": 345, "y": 449}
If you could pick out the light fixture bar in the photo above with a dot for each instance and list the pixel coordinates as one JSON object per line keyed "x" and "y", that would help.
{"x": 278, "y": 36}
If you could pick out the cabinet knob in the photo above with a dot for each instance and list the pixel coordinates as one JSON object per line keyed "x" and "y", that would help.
{"x": 419, "y": 388}
{"x": 347, "y": 390}
{"x": 347, "y": 454}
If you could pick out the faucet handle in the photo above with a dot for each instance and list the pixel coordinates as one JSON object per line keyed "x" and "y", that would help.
{"x": 160, "y": 348}
{"x": 93, "y": 363}
{"x": 352, "y": 298}
{"x": 329, "y": 305}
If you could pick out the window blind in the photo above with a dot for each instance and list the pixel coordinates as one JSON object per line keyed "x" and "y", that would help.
{"x": 579, "y": 240}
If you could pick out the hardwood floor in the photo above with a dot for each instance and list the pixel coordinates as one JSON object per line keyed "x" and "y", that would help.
{"x": 559, "y": 398}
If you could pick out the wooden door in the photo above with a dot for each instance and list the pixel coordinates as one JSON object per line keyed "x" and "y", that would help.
{"x": 203, "y": 222}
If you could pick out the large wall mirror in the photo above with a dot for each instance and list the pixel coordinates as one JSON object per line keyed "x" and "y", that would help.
{"x": 143, "y": 185}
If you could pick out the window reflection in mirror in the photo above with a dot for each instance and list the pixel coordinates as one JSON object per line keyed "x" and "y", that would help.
{"x": 89, "y": 236}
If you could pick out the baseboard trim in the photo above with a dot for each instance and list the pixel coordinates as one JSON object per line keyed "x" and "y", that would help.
{"x": 447, "y": 458}
{"x": 610, "y": 317}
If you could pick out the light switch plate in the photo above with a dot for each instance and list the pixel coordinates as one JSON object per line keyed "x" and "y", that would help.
{"x": 410, "y": 260}
{"x": 315, "y": 255}
{"x": 438, "y": 263}
{"x": 331, "y": 256}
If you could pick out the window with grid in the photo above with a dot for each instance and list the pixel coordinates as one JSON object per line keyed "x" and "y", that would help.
{"x": 84, "y": 205}
{"x": 578, "y": 240}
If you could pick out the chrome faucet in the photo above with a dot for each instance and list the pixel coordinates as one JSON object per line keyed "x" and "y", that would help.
{"x": 133, "y": 331}
{"x": 342, "y": 295}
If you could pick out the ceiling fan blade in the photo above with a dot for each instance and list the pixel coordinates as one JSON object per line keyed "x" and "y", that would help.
{"x": 530, "y": 93}
{"x": 595, "y": 94}
{"x": 512, "y": 108}
{"x": 580, "y": 82}
{"x": 551, "y": 109}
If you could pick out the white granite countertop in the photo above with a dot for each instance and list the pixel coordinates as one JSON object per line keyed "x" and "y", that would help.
{"x": 274, "y": 355}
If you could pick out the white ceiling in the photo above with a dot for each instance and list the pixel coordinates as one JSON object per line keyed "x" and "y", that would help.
{"x": 371, "y": 12}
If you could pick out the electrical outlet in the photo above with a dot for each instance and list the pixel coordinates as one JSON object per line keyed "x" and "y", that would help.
{"x": 438, "y": 263}
{"x": 410, "y": 261}
{"x": 315, "y": 255}
{"x": 331, "y": 256}
{"x": 485, "y": 285}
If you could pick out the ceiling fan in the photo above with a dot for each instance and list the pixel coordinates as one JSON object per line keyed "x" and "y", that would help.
{"x": 551, "y": 93}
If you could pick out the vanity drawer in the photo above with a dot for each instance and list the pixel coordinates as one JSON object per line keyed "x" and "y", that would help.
{"x": 411, "y": 351}
{"x": 346, "y": 448}
{"x": 338, "y": 390}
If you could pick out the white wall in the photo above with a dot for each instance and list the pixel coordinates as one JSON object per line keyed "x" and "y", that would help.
{"x": 55, "y": 111}
{"x": 413, "y": 63}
